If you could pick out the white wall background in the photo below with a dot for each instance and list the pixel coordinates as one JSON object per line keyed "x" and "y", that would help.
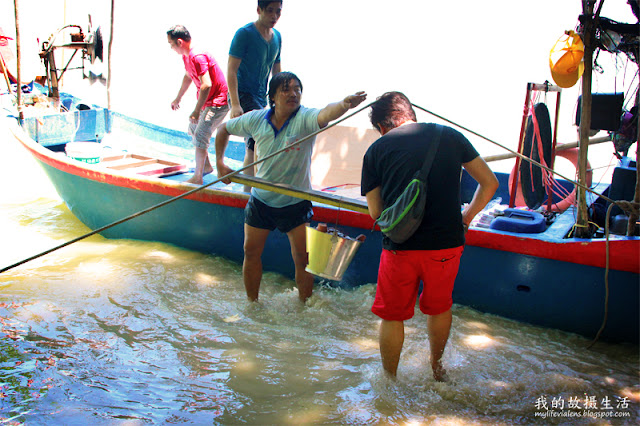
{"x": 467, "y": 60}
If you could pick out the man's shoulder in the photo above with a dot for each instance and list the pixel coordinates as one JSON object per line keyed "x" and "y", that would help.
{"x": 376, "y": 146}
{"x": 306, "y": 110}
{"x": 304, "y": 114}
{"x": 197, "y": 53}
{"x": 422, "y": 129}
{"x": 258, "y": 116}
{"x": 402, "y": 137}
{"x": 244, "y": 37}
{"x": 251, "y": 118}
{"x": 247, "y": 29}
{"x": 254, "y": 114}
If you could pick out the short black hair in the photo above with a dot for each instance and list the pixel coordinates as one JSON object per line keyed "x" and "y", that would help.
{"x": 390, "y": 110}
{"x": 282, "y": 79}
{"x": 262, "y": 4}
{"x": 179, "y": 32}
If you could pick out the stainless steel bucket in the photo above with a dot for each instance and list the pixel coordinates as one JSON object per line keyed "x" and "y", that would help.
{"x": 329, "y": 253}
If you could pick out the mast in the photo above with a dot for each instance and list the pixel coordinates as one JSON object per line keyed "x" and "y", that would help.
{"x": 588, "y": 38}
{"x": 633, "y": 217}
{"x": 590, "y": 22}
{"x": 109, "y": 58}
{"x": 18, "y": 58}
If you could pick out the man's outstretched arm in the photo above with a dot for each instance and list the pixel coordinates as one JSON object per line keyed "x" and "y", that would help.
{"x": 337, "y": 109}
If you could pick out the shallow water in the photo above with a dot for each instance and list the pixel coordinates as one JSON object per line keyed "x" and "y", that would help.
{"x": 129, "y": 332}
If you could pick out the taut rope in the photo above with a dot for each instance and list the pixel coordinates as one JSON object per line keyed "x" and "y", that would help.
{"x": 624, "y": 205}
{"x": 186, "y": 194}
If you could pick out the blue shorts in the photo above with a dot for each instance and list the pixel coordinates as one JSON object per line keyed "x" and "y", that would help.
{"x": 248, "y": 102}
{"x": 260, "y": 215}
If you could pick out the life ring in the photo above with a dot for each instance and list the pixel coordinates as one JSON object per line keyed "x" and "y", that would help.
{"x": 570, "y": 154}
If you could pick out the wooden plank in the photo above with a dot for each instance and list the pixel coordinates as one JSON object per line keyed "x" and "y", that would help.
{"x": 311, "y": 195}
{"x": 125, "y": 160}
{"x": 160, "y": 170}
{"x": 509, "y": 155}
{"x": 133, "y": 164}
{"x": 143, "y": 165}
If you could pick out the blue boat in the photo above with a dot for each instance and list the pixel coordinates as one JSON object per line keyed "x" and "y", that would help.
{"x": 543, "y": 278}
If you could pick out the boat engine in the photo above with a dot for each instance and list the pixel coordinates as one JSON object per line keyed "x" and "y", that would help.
{"x": 90, "y": 44}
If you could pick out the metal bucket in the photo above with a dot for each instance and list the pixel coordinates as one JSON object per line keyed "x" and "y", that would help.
{"x": 329, "y": 253}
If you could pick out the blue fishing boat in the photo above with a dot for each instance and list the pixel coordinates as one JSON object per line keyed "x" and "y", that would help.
{"x": 543, "y": 276}
{"x": 124, "y": 178}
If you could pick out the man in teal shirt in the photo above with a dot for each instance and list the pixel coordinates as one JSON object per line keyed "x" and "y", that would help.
{"x": 253, "y": 56}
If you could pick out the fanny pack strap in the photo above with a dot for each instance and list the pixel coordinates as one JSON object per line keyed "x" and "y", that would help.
{"x": 431, "y": 152}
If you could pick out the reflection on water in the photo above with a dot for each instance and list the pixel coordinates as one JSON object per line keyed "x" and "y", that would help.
{"x": 107, "y": 331}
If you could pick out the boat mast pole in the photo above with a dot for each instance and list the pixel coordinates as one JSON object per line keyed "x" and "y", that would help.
{"x": 109, "y": 58}
{"x": 633, "y": 217}
{"x": 18, "y": 59}
{"x": 516, "y": 170}
{"x": 588, "y": 38}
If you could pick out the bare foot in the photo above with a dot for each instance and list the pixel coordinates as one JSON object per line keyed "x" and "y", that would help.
{"x": 194, "y": 180}
{"x": 207, "y": 170}
{"x": 439, "y": 373}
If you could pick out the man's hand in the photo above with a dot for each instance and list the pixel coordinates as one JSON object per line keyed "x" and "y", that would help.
{"x": 236, "y": 111}
{"x": 223, "y": 170}
{"x": 335, "y": 110}
{"x": 353, "y": 101}
{"x": 195, "y": 116}
{"x": 175, "y": 105}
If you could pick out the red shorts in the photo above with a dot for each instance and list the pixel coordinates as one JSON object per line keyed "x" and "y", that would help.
{"x": 399, "y": 279}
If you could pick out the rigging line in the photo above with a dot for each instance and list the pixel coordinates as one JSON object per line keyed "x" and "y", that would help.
{"x": 517, "y": 154}
{"x": 606, "y": 280}
{"x": 186, "y": 194}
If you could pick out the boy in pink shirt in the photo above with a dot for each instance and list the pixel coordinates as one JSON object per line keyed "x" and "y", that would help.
{"x": 203, "y": 70}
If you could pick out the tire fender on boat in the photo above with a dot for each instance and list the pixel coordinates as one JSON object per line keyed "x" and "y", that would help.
{"x": 570, "y": 154}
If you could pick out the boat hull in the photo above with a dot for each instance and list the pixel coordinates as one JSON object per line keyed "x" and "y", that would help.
{"x": 213, "y": 223}
{"x": 549, "y": 293}
{"x": 542, "y": 279}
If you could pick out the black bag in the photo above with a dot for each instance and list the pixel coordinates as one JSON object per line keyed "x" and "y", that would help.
{"x": 402, "y": 218}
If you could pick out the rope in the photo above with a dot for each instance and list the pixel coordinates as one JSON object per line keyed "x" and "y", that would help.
{"x": 606, "y": 280}
{"x": 537, "y": 143}
{"x": 550, "y": 182}
{"x": 621, "y": 204}
{"x": 588, "y": 225}
{"x": 628, "y": 206}
{"x": 186, "y": 194}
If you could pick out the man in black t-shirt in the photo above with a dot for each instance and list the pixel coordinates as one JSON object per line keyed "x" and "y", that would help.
{"x": 432, "y": 254}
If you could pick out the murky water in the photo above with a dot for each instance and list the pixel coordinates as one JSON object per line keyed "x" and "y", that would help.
{"x": 129, "y": 332}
